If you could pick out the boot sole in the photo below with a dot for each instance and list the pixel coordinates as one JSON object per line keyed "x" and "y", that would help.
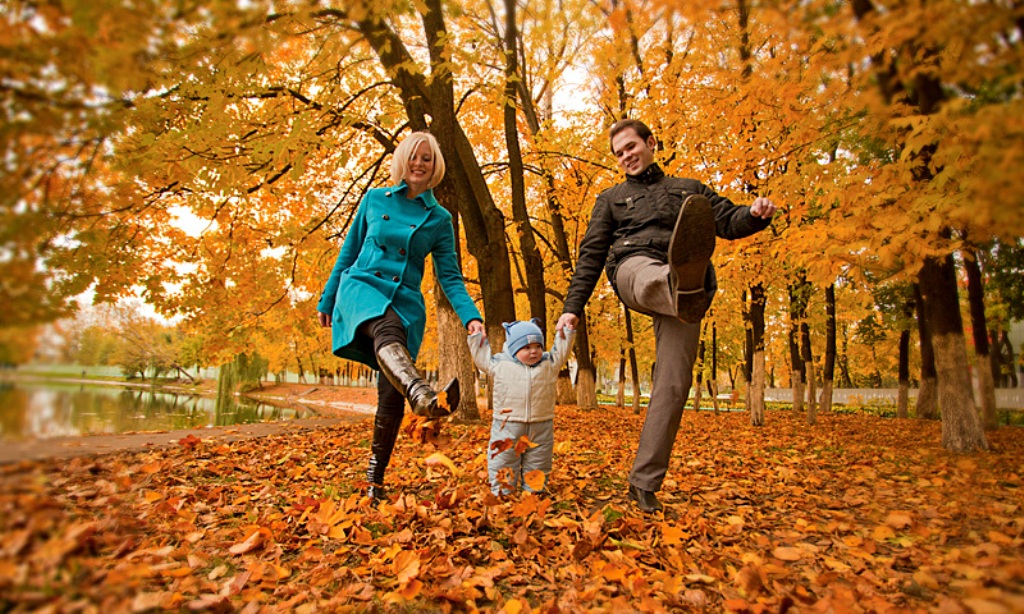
{"x": 689, "y": 254}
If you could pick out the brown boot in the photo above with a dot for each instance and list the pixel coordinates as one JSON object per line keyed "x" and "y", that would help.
{"x": 397, "y": 365}
{"x": 689, "y": 254}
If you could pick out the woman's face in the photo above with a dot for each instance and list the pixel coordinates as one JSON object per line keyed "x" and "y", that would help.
{"x": 421, "y": 167}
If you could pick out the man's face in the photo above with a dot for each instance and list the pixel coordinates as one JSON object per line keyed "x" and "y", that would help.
{"x": 633, "y": 153}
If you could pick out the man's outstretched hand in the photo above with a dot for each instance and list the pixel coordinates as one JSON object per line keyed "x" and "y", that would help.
{"x": 763, "y": 208}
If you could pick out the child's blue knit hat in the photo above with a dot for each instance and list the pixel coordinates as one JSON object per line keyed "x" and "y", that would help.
{"x": 522, "y": 333}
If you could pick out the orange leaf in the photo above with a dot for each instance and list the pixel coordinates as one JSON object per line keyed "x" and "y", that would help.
{"x": 535, "y": 480}
{"x": 406, "y": 566}
{"x": 671, "y": 534}
{"x": 787, "y": 553}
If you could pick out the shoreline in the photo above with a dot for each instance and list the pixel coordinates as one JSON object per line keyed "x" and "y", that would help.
{"x": 331, "y": 405}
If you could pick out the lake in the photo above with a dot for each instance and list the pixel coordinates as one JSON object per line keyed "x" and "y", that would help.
{"x": 40, "y": 410}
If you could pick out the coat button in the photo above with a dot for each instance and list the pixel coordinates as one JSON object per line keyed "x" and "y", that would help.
{"x": 378, "y": 274}
{"x": 402, "y": 251}
{"x": 388, "y": 193}
{"x": 395, "y": 278}
{"x": 387, "y": 217}
{"x": 412, "y": 225}
{"x": 383, "y": 248}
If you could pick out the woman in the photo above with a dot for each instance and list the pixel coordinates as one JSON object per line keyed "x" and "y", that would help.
{"x": 373, "y": 302}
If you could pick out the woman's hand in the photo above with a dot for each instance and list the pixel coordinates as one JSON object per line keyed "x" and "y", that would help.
{"x": 325, "y": 319}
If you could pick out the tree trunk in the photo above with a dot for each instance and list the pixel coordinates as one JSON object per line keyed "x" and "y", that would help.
{"x": 748, "y": 341}
{"x": 961, "y": 427}
{"x": 566, "y": 395}
{"x": 755, "y": 391}
{"x": 979, "y": 329}
{"x": 928, "y": 393}
{"x": 808, "y": 360}
{"x": 994, "y": 358}
{"x": 797, "y": 373}
{"x": 532, "y": 260}
{"x": 620, "y": 396}
{"x": 699, "y": 379}
{"x": 713, "y": 378}
{"x": 456, "y": 360}
{"x": 634, "y": 370}
{"x": 843, "y": 359}
{"x": 828, "y": 375}
{"x": 484, "y": 222}
{"x": 903, "y": 376}
{"x": 903, "y": 395}
{"x": 586, "y": 376}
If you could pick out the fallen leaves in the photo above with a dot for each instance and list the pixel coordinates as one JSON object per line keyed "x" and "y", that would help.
{"x": 854, "y": 514}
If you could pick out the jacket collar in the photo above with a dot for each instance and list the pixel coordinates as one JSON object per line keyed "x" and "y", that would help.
{"x": 651, "y": 174}
{"x": 427, "y": 197}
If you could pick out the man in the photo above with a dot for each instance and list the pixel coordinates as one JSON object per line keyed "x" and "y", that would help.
{"x": 654, "y": 235}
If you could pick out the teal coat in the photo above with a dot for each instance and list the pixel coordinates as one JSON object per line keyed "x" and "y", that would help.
{"x": 381, "y": 265}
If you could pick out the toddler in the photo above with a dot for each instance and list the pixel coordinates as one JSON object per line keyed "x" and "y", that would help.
{"x": 524, "y": 379}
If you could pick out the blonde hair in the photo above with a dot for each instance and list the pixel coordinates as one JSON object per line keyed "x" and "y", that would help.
{"x": 404, "y": 151}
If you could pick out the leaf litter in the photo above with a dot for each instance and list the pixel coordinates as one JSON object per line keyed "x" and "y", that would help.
{"x": 855, "y": 514}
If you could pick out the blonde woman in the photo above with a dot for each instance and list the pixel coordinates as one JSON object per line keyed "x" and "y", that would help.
{"x": 373, "y": 302}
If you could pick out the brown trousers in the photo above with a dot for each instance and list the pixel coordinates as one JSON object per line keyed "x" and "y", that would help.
{"x": 643, "y": 284}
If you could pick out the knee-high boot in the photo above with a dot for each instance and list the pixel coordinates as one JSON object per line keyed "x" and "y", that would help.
{"x": 385, "y": 432}
{"x": 398, "y": 366}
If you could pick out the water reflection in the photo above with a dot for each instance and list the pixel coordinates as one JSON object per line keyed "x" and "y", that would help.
{"x": 37, "y": 410}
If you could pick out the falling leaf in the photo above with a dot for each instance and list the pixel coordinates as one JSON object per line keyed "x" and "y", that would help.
{"x": 437, "y": 459}
{"x": 534, "y": 480}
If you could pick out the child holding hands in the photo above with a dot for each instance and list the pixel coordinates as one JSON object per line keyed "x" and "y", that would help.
{"x": 524, "y": 380}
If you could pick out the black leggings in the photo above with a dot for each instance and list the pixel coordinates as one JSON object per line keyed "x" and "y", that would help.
{"x": 385, "y": 330}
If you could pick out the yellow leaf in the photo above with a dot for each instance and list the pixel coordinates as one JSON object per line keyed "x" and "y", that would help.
{"x": 437, "y": 458}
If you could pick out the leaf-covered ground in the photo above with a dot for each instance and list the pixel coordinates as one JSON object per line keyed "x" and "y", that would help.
{"x": 855, "y": 514}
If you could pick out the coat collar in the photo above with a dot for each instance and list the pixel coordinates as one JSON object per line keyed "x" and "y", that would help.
{"x": 427, "y": 197}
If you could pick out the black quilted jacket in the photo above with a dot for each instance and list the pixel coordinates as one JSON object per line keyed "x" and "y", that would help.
{"x": 637, "y": 217}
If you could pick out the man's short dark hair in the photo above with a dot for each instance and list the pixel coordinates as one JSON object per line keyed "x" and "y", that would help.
{"x": 638, "y": 126}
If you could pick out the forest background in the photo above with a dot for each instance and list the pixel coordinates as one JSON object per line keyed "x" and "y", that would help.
{"x": 207, "y": 158}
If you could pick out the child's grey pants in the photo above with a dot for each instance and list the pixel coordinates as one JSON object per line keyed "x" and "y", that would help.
{"x": 532, "y": 459}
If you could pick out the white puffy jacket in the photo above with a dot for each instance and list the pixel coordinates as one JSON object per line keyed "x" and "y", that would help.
{"x": 522, "y": 393}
